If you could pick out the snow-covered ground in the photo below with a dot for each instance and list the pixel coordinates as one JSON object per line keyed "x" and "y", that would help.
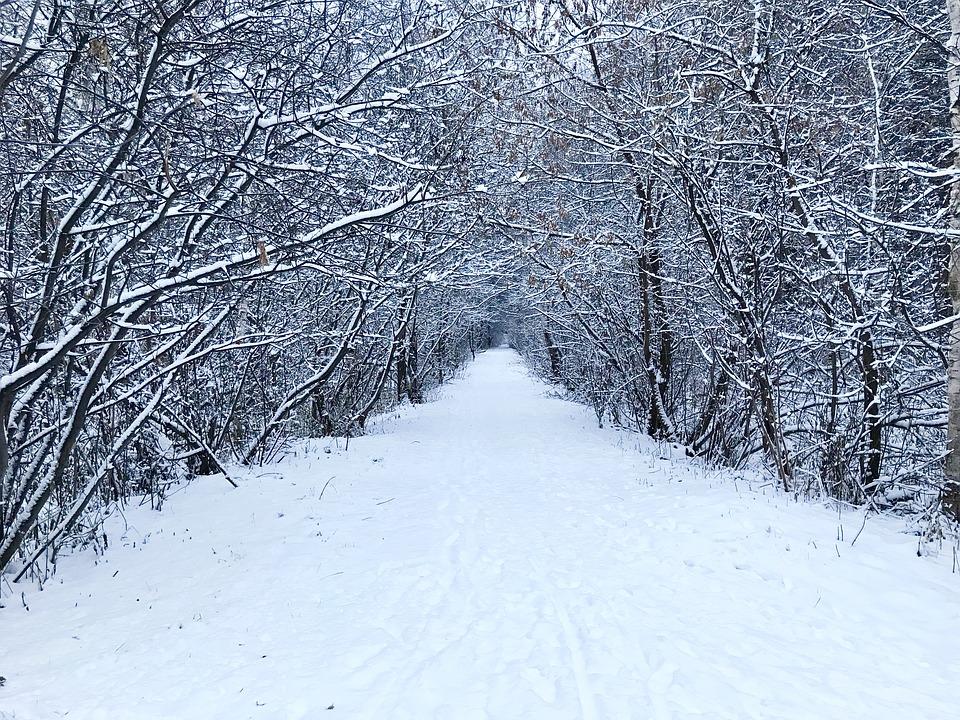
{"x": 489, "y": 555}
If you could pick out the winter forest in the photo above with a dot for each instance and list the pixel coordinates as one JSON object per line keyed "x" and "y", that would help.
{"x": 729, "y": 226}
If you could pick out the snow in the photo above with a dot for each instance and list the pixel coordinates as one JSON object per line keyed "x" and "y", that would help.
{"x": 492, "y": 554}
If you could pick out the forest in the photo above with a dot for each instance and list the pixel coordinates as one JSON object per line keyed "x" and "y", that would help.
{"x": 729, "y": 225}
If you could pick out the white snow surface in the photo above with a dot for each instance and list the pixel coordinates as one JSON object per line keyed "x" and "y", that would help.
{"x": 492, "y": 554}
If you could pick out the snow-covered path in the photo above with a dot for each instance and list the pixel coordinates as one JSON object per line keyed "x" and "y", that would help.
{"x": 489, "y": 555}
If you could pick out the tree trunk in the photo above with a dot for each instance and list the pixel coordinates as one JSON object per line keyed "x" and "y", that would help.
{"x": 556, "y": 360}
{"x": 951, "y": 487}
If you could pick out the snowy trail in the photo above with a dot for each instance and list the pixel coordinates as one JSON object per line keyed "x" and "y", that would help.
{"x": 489, "y": 555}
